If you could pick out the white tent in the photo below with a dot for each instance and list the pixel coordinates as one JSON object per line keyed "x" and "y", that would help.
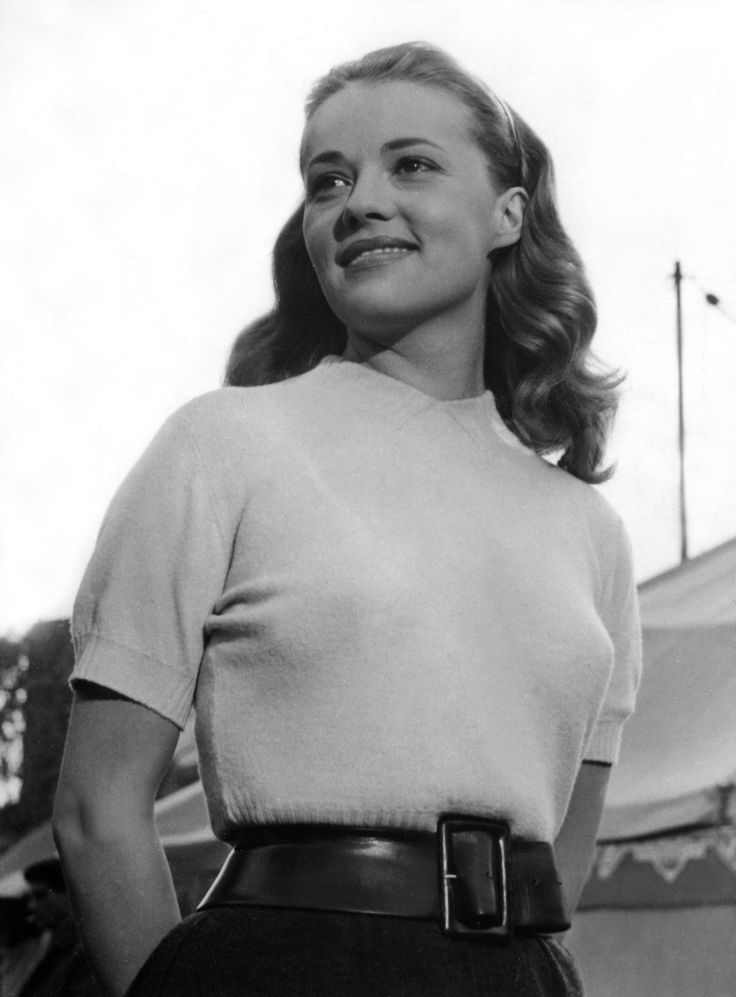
{"x": 658, "y": 916}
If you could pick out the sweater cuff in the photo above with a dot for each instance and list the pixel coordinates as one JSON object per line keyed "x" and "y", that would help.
{"x": 605, "y": 742}
{"x": 135, "y": 676}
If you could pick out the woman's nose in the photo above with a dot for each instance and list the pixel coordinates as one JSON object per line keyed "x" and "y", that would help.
{"x": 369, "y": 198}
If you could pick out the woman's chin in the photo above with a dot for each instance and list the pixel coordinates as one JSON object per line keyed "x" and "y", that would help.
{"x": 382, "y": 315}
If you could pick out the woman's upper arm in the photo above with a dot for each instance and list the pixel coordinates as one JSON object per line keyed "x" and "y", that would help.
{"x": 116, "y": 755}
{"x": 159, "y": 566}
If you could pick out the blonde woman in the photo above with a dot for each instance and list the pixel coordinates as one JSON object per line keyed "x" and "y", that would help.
{"x": 411, "y": 642}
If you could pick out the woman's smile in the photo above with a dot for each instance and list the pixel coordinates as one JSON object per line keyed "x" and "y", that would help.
{"x": 366, "y": 253}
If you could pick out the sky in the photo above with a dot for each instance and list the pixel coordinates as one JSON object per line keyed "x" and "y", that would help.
{"x": 148, "y": 158}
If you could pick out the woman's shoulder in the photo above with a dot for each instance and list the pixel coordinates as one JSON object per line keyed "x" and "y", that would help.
{"x": 242, "y": 408}
{"x": 212, "y": 407}
{"x": 583, "y": 503}
{"x": 235, "y": 427}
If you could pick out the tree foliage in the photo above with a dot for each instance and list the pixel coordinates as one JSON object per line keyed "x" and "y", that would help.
{"x": 50, "y": 661}
{"x": 13, "y": 669}
{"x": 36, "y": 700}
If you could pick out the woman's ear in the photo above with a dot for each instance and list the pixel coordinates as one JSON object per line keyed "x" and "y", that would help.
{"x": 509, "y": 212}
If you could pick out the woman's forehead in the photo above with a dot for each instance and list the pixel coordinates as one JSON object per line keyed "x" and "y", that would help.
{"x": 367, "y": 115}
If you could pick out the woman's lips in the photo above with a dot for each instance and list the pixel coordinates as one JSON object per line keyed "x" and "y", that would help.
{"x": 373, "y": 250}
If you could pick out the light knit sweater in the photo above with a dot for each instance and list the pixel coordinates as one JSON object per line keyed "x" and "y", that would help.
{"x": 382, "y": 605}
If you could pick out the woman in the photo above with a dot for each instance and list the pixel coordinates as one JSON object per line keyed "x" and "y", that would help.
{"x": 411, "y": 642}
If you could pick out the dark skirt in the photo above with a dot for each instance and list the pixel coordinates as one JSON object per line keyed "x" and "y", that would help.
{"x": 261, "y": 952}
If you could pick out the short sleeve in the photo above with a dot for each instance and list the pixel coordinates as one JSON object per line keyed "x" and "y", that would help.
{"x": 620, "y": 614}
{"x": 157, "y": 569}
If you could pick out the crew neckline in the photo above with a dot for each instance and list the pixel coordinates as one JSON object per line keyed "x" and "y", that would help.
{"x": 484, "y": 399}
{"x": 470, "y": 413}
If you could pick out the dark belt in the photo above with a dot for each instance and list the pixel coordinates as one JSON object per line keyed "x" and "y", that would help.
{"x": 471, "y": 875}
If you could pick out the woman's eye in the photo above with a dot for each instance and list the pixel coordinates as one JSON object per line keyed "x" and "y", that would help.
{"x": 325, "y": 184}
{"x": 413, "y": 164}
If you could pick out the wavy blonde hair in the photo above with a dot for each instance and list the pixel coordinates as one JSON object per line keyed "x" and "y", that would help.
{"x": 540, "y": 311}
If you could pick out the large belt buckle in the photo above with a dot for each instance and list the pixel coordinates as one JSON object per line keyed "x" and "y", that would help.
{"x": 474, "y": 855}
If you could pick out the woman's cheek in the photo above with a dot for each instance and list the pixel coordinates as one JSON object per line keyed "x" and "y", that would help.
{"x": 315, "y": 249}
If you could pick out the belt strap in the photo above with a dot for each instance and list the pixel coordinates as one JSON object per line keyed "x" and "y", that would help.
{"x": 471, "y": 876}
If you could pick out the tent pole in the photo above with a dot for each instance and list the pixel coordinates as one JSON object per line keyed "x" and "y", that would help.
{"x": 681, "y": 416}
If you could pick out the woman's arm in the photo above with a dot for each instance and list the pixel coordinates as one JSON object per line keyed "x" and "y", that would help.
{"x": 575, "y": 843}
{"x": 116, "y": 754}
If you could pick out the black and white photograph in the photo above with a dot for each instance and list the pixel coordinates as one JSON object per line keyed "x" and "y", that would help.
{"x": 368, "y": 498}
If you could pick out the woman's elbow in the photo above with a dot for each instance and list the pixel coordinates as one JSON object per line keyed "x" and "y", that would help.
{"x": 116, "y": 753}
{"x": 66, "y": 818}
{"x": 74, "y": 823}
{"x": 85, "y": 820}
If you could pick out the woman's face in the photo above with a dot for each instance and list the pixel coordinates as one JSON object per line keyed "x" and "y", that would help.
{"x": 400, "y": 211}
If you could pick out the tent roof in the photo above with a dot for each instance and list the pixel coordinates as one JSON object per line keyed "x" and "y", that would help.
{"x": 701, "y": 591}
{"x": 680, "y": 745}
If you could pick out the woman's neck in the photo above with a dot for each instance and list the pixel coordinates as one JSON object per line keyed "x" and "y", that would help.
{"x": 446, "y": 367}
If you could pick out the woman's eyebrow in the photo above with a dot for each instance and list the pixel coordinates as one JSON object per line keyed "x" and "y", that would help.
{"x": 334, "y": 156}
{"x": 331, "y": 156}
{"x": 402, "y": 143}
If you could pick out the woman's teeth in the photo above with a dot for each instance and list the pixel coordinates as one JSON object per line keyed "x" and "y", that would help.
{"x": 384, "y": 251}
